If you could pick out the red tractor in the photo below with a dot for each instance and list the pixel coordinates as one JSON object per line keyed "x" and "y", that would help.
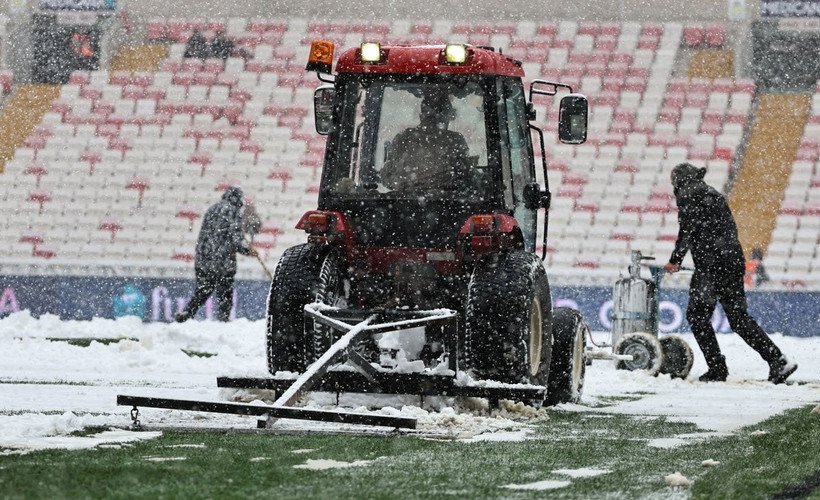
{"x": 429, "y": 201}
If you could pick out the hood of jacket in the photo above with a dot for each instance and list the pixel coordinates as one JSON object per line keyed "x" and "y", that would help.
{"x": 234, "y": 196}
{"x": 686, "y": 176}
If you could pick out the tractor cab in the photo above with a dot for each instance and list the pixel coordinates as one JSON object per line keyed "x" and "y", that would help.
{"x": 422, "y": 138}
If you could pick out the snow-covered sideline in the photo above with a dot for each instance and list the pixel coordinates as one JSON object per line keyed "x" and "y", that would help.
{"x": 50, "y": 388}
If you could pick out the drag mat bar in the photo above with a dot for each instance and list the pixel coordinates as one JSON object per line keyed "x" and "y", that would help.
{"x": 269, "y": 411}
{"x": 370, "y": 432}
{"x": 404, "y": 383}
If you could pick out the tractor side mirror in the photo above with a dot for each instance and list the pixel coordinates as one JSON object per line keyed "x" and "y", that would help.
{"x": 323, "y": 99}
{"x": 573, "y": 118}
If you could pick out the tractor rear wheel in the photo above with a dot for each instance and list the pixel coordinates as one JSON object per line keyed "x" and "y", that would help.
{"x": 509, "y": 320}
{"x": 568, "y": 366}
{"x": 306, "y": 273}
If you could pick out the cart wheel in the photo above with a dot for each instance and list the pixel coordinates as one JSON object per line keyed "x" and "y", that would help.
{"x": 677, "y": 356}
{"x": 509, "y": 320}
{"x": 568, "y": 366}
{"x": 646, "y": 351}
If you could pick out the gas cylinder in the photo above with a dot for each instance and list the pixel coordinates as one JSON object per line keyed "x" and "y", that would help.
{"x": 634, "y": 302}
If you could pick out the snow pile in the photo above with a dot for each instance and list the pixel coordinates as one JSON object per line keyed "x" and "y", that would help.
{"x": 324, "y": 464}
{"x": 585, "y": 472}
{"x": 677, "y": 479}
{"x": 539, "y": 485}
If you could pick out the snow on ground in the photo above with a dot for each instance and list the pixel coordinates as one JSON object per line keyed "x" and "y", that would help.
{"x": 49, "y": 389}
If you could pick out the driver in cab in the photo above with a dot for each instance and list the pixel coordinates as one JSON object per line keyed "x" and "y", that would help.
{"x": 428, "y": 156}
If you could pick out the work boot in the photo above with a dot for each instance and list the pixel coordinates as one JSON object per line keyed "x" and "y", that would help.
{"x": 717, "y": 371}
{"x": 181, "y": 317}
{"x": 780, "y": 369}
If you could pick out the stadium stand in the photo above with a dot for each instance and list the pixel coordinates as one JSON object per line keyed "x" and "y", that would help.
{"x": 792, "y": 256}
{"x": 124, "y": 163}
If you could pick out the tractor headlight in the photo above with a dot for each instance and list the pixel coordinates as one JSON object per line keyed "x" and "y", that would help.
{"x": 455, "y": 54}
{"x": 371, "y": 52}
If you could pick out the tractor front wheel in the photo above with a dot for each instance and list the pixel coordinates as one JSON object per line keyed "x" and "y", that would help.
{"x": 306, "y": 273}
{"x": 509, "y": 320}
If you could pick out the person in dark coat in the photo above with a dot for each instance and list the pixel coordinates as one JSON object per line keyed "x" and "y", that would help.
{"x": 708, "y": 230}
{"x": 222, "y": 46}
{"x": 197, "y": 47}
{"x": 428, "y": 156}
{"x": 220, "y": 239}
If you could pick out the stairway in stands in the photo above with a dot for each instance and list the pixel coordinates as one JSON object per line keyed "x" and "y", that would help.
{"x": 21, "y": 113}
{"x": 139, "y": 58}
{"x": 770, "y": 153}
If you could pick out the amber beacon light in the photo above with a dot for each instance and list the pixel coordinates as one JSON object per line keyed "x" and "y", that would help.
{"x": 321, "y": 56}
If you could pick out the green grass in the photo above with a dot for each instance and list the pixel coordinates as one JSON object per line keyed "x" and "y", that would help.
{"x": 218, "y": 465}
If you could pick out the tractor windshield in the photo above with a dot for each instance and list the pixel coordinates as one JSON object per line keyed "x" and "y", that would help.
{"x": 407, "y": 136}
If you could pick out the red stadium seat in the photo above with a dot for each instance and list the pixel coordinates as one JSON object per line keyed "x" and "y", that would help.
{"x": 658, "y": 205}
{"x": 649, "y": 42}
{"x": 92, "y": 157}
{"x": 586, "y": 205}
{"x": 547, "y": 28}
{"x": 40, "y": 196}
{"x": 727, "y": 154}
{"x": 573, "y": 191}
{"x": 111, "y": 224}
{"x": 119, "y": 78}
{"x": 281, "y": 174}
{"x": 812, "y": 208}
{"x": 36, "y": 168}
{"x": 189, "y": 212}
{"x": 170, "y": 65}
{"x": 587, "y": 261}
{"x": 155, "y": 30}
{"x": 139, "y": 184}
{"x": 715, "y": 35}
{"x": 31, "y": 236}
{"x": 632, "y": 206}
{"x": 184, "y": 254}
{"x": 789, "y": 207}
{"x": 175, "y": 28}
{"x": 693, "y": 35}
{"x": 202, "y": 158}
{"x": 44, "y": 251}
{"x": 79, "y": 77}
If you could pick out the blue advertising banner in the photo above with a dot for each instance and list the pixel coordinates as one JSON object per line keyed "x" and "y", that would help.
{"x": 93, "y": 5}
{"x": 790, "y": 8}
{"x": 790, "y": 313}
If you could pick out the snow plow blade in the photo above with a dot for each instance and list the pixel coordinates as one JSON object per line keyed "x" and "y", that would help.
{"x": 268, "y": 411}
{"x": 406, "y": 383}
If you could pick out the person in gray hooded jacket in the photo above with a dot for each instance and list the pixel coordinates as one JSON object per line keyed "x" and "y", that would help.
{"x": 220, "y": 239}
{"x": 707, "y": 229}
